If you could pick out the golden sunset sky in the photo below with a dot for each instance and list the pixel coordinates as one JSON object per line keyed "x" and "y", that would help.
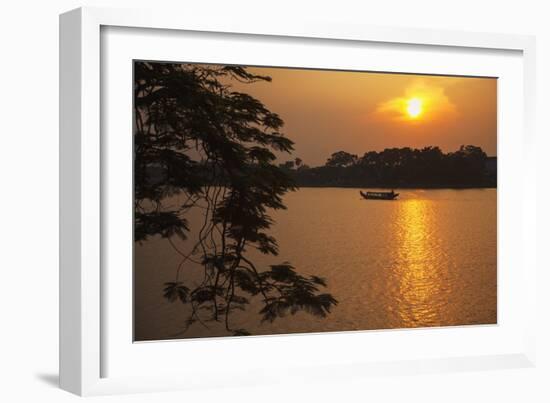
{"x": 328, "y": 111}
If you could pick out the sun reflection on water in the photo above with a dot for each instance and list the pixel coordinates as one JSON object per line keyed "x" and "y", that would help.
{"x": 420, "y": 276}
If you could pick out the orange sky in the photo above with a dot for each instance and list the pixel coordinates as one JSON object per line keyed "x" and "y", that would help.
{"x": 328, "y": 111}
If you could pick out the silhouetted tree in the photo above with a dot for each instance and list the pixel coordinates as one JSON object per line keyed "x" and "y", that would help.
{"x": 402, "y": 167}
{"x": 213, "y": 147}
{"x": 288, "y": 165}
{"x": 341, "y": 159}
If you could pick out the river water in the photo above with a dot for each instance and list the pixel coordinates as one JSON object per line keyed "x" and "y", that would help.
{"x": 428, "y": 258}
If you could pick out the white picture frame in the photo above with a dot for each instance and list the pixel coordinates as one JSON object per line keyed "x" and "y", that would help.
{"x": 88, "y": 335}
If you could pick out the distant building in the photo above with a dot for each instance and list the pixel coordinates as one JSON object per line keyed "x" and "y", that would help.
{"x": 491, "y": 165}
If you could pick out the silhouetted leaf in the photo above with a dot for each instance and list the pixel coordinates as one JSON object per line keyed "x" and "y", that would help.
{"x": 175, "y": 290}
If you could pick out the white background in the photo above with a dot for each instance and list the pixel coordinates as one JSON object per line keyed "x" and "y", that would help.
{"x": 29, "y": 201}
{"x": 293, "y": 352}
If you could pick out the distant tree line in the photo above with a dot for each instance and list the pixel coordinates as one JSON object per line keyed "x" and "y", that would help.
{"x": 429, "y": 167}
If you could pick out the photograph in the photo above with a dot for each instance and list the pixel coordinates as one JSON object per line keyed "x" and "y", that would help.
{"x": 283, "y": 200}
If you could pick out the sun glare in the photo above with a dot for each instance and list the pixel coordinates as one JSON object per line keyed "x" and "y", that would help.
{"x": 414, "y": 107}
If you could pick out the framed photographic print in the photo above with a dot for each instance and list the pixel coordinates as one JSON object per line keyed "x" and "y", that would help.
{"x": 320, "y": 196}
{"x": 249, "y": 230}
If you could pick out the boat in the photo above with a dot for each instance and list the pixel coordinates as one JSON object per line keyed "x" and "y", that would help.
{"x": 379, "y": 195}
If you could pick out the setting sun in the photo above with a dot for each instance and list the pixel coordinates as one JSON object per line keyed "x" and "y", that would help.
{"x": 421, "y": 101}
{"x": 414, "y": 107}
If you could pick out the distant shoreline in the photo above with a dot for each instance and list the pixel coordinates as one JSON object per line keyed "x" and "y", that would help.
{"x": 406, "y": 168}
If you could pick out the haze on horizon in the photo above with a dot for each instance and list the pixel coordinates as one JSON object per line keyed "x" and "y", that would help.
{"x": 327, "y": 111}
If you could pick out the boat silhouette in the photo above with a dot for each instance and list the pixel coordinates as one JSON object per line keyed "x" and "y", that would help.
{"x": 379, "y": 195}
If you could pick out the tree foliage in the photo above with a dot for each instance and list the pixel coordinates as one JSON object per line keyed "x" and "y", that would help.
{"x": 400, "y": 167}
{"x": 214, "y": 148}
{"x": 341, "y": 159}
